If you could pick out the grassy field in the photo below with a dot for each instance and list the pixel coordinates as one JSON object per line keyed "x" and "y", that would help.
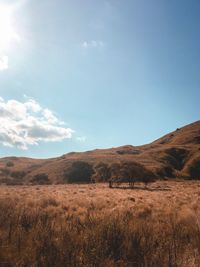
{"x": 93, "y": 225}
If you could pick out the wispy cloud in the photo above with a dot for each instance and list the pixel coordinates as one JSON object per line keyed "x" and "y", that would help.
{"x": 93, "y": 44}
{"x": 28, "y": 123}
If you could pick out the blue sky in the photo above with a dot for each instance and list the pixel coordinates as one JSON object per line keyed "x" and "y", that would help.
{"x": 108, "y": 73}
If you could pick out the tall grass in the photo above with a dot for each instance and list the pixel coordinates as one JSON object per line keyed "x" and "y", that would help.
{"x": 36, "y": 237}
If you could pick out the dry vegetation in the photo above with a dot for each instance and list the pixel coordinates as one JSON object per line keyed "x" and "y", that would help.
{"x": 92, "y": 225}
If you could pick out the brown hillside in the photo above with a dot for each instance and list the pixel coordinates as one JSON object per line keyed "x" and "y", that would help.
{"x": 176, "y": 154}
{"x": 187, "y": 135}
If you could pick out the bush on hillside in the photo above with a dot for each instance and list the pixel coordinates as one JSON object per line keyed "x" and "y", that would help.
{"x": 9, "y": 164}
{"x": 18, "y": 174}
{"x": 41, "y": 178}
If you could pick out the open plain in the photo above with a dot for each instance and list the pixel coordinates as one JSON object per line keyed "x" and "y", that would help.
{"x": 93, "y": 225}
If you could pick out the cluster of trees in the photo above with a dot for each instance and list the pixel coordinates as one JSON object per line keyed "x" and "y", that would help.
{"x": 130, "y": 172}
{"x": 114, "y": 173}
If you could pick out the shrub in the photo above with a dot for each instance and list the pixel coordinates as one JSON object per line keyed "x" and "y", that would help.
{"x": 41, "y": 178}
{"x": 9, "y": 164}
{"x": 18, "y": 174}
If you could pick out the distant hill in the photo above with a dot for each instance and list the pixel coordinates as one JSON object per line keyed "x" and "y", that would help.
{"x": 176, "y": 154}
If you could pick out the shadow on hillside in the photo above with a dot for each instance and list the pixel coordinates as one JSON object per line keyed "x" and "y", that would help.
{"x": 142, "y": 188}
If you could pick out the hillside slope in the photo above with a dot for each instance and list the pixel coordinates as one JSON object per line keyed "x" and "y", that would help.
{"x": 176, "y": 154}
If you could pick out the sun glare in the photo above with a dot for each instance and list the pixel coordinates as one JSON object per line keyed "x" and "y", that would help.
{"x": 7, "y": 32}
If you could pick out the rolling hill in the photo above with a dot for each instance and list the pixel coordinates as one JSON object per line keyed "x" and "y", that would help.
{"x": 176, "y": 154}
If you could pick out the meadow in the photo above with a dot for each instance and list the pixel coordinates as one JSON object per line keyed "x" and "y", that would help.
{"x": 93, "y": 225}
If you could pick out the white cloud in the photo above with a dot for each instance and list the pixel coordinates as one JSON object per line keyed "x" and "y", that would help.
{"x": 92, "y": 44}
{"x": 27, "y": 123}
{"x": 3, "y": 63}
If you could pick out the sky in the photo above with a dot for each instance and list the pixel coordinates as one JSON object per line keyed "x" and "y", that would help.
{"x": 79, "y": 75}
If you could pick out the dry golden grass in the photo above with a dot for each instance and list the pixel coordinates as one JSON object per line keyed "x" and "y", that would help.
{"x": 93, "y": 225}
{"x": 160, "y": 197}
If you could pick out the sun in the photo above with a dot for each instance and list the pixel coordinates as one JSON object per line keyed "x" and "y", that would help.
{"x": 7, "y": 32}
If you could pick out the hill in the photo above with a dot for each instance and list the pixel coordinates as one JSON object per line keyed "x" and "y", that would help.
{"x": 176, "y": 154}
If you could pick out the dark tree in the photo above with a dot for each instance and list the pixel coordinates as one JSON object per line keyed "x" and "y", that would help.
{"x": 131, "y": 172}
{"x": 115, "y": 175}
{"x": 101, "y": 172}
{"x": 79, "y": 172}
{"x": 147, "y": 177}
